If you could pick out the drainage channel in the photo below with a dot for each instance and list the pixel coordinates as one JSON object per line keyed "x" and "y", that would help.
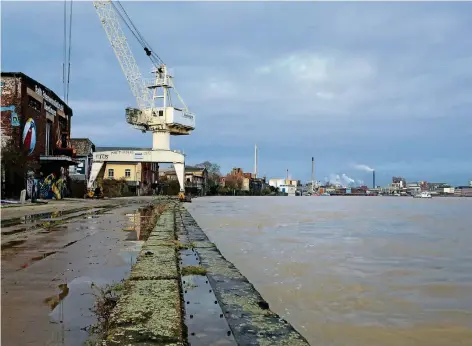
{"x": 205, "y": 321}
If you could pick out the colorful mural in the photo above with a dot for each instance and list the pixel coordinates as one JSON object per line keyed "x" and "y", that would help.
{"x": 50, "y": 187}
{"x": 29, "y": 135}
{"x": 15, "y": 121}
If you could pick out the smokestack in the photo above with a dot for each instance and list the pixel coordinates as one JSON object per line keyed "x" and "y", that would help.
{"x": 255, "y": 161}
{"x": 373, "y": 179}
{"x": 312, "y": 173}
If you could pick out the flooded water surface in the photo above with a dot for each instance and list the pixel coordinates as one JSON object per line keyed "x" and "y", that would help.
{"x": 353, "y": 270}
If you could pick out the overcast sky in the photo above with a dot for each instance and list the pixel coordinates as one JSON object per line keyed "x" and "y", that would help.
{"x": 388, "y": 85}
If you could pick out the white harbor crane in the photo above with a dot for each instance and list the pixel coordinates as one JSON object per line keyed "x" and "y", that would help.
{"x": 155, "y": 112}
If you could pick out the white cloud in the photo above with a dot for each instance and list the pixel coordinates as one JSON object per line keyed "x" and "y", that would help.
{"x": 92, "y": 107}
{"x": 325, "y": 95}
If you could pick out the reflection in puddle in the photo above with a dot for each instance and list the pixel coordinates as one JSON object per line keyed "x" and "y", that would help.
{"x": 136, "y": 223}
{"x": 56, "y": 299}
{"x": 36, "y": 217}
{"x": 73, "y": 309}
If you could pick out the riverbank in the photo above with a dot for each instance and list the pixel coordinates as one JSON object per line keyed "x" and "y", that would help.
{"x": 182, "y": 290}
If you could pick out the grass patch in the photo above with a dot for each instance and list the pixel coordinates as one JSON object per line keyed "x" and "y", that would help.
{"x": 149, "y": 217}
{"x": 193, "y": 270}
{"x": 106, "y": 300}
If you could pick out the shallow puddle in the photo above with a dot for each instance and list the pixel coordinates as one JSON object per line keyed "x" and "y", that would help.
{"x": 203, "y": 316}
{"x": 37, "y": 217}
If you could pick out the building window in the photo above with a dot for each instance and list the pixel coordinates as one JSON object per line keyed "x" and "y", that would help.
{"x": 111, "y": 173}
{"x": 35, "y": 104}
{"x": 127, "y": 173}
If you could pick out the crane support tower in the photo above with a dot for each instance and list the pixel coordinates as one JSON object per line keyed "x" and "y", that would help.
{"x": 155, "y": 112}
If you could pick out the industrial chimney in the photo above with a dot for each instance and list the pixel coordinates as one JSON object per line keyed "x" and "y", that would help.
{"x": 373, "y": 179}
{"x": 312, "y": 174}
{"x": 255, "y": 161}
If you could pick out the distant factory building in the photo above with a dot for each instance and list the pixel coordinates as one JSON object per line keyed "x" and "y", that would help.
{"x": 287, "y": 186}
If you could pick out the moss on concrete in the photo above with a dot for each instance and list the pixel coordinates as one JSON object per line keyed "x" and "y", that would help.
{"x": 156, "y": 264}
{"x": 247, "y": 303}
{"x": 216, "y": 265}
{"x": 149, "y": 311}
{"x": 166, "y": 236}
{"x": 193, "y": 270}
{"x": 183, "y": 246}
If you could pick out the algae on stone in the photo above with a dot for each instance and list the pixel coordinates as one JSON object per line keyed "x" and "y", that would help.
{"x": 203, "y": 244}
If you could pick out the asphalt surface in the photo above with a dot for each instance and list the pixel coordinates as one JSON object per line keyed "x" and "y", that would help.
{"x": 47, "y": 272}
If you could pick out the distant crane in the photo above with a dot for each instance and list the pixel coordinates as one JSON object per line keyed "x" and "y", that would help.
{"x": 155, "y": 112}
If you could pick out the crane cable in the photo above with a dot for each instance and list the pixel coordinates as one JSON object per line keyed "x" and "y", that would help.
{"x": 67, "y": 51}
{"x": 155, "y": 59}
{"x": 70, "y": 49}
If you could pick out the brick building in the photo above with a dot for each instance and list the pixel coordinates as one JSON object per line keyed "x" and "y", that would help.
{"x": 35, "y": 132}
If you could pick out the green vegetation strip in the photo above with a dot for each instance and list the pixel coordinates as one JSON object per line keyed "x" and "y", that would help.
{"x": 149, "y": 311}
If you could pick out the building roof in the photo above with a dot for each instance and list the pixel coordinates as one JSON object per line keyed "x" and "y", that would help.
{"x": 97, "y": 149}
{"x": 33, "y": 81}
{"x": 188, "y": 169}
{"x": 82, "y": 145}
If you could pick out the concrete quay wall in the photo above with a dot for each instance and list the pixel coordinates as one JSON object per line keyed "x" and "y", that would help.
{"x": 182, "y": 291}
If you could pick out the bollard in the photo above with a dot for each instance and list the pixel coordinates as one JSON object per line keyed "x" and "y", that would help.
{"x": 23, "y": 196}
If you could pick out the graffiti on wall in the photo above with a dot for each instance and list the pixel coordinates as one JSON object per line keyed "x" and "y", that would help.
{"x": 15, "y": 121}
{"x": 52, "y": 187}
{"x": 29, "y": 135}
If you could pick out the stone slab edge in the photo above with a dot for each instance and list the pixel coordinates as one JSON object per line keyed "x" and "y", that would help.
{"x": 248, "y": 314}
{"x": 149, "y": 312}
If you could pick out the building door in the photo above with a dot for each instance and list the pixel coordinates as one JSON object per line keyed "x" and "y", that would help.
{"x": 48, "y": 137}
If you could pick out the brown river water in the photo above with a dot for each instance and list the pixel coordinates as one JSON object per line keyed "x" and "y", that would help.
{"x": 353, "y": 270}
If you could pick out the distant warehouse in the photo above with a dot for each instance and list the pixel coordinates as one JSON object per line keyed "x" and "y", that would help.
{"x": 463, "y": 191}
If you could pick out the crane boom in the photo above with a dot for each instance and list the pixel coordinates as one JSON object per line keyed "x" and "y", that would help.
{"x": 164, "y": 120}
{"x": 111, "y": 24}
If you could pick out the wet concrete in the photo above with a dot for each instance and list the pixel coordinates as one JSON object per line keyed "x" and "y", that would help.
{"x": 47, "y": 277}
